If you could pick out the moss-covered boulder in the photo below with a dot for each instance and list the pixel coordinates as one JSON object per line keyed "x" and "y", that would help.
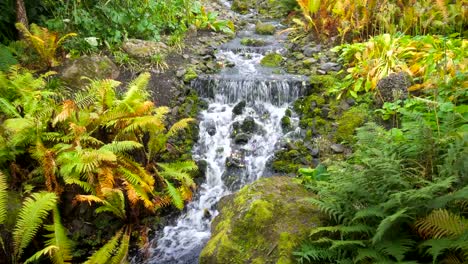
{"x": 241, "y": 6}
{"x": 138, "y": 48}
{"x": 190, "y": 75}
{"x": 251, "y": 42}
{"x": 263, "y": 223}
{"x": 272, "y": 60}
{"x": 93, "y": 67}
{"x": 264, "y": 28}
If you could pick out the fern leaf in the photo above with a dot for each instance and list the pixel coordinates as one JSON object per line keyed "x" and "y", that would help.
{"x": 137, "y": 90}
{"x": 442, "y": 223}
{"x": 396, "y": 248}
{"x": 88, "y": 198}
{"x": 122, "y": 146}
{"x": 175, "y": 195}
{"x": 179, "y": 125}
{"x": 8, "y": 109}
{"x": 105, "y": 253}
{"x": 338, "y": 244}
{"x": 58, "y": 239}
{"x": 33, "y": 212}
{"x": 3, "y": 198}
{"x": 43, "y": 252}
{"x": 387, "y": 223}
{"x": 121, "y": 254}
{"x": 373, "y": 212}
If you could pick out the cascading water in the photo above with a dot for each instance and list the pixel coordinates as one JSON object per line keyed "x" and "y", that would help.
{"x": 236, "y": 147}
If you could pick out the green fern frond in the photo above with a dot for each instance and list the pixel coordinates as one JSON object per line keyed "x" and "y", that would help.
{"x": 367, "y": 254}
{"x": 120, "y": 256}
{"x": 178, "y": 171}
{"x": 31, "y": 216}
{"x": 438, "y": 247}
{"x": 114, "y": 202}
{"x": 144, "y": 124}
{"x": 84, "y": 185}
{"x": 372, "y": 212}
{"x": 396, "y": 248}
{"x": 43, "y": 252}
{"x": 3, "y": 198}
{"x": 344, "y": 230}
{"x": 388, "y": 223}
{"x": 105, "y": 253}
{"x": 179, "y": 125}
{"x": 312, "y": 253}
{"x": 137, "y": 90}
{"x": 334, "y": 213}
{"x": 442, "y": 223}
{"x": 442, "y": 201}
{"x": 58, "y": 239}
{"x": 135, "y": 179}
{"x": 122, "y": 146}
{"x": 339, "y": 244}
{"x": 175, "y": 195}
{"x": 8, "y": 109}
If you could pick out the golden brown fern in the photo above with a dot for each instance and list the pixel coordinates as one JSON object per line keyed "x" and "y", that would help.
{"x": 442, "y": 223}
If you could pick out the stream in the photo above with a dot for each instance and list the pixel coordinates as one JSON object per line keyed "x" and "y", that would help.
{"x": 236, "y": 148}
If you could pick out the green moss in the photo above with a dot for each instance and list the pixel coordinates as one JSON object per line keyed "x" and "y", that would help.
{"x": 286, "y": 124}
{"x": 240, "y": 6}
{"x": 349, "y": 121}
{"x": 252, "y": 226}
{"x": 190, "y": 75}
{"x": 264, "y": 29}
{"x": 251, "y": 42}
{"x": 272, "y": 60}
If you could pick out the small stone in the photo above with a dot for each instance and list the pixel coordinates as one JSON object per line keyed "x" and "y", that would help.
{"x": 185, "y": 56}
{"x": 239, "y": 108}
{"x": 241, "y": 139}
{"x": 337, "y": 148}
{"x": 310, "y": 51}
{"x": 330, "y": 66}
{"x": 211, "y": 127}
{"x": 264, "y": 28}
{"x": 321, "y": 72}
{"x": 315, "y": 152}
{"x": 308, "y": 62}
{"x": 248, "y": 125}
{"x": 180, "y": 73}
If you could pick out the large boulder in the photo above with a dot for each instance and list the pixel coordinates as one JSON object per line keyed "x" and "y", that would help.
{"x": 393, "y": 87}
{"x": 262, "y": 223}
{"x": 143, "y": 48}
{"x": 93, "y": 67}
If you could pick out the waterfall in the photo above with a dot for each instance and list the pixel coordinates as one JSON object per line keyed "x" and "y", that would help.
{"x": 235, "y": 147}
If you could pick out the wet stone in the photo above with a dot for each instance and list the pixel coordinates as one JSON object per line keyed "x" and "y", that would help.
{"x": 337, "y": 148}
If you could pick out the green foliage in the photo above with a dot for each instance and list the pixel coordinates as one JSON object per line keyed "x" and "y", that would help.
{"x": 208, "y": 20}
{"x": 6, "y": 58}
{"x": 44, "y": 42}
{"x": 363, "y": 18}
{"x": 31, "y": 216}
{"x": 427, "y": 59}
{"x": 105, "y": 144}
{"x": 390, "y": 187}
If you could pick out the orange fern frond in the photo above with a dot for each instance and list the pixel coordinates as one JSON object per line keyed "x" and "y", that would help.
{"x": 442, "y": 223}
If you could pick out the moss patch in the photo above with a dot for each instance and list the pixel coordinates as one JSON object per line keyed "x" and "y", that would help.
{"x": 251, "y": 42}
{"x": 264, "y": 29}
{"x": 272, "y": 60}
{"x": 349, "y": 121}
{"x": 262, "y": 223}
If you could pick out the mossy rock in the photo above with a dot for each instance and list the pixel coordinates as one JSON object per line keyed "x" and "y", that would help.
{"x": 349, "y": 121}
{"x": 263, "y": 223}
{"x": 272, "y": 60}
{"x": 264, "y": 29}
{"x": 93, "y": 67}
{"x": 190, "y": 75}
{"x": 251, "y": 42}
{"x": 240, "y": 6}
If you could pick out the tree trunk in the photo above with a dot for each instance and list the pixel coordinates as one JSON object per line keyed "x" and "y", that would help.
{"x": 21, "y": 15}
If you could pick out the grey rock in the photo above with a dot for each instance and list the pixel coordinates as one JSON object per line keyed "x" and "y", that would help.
{"x": 180, "y": 73}
{"x": 143, "y": 48}
{"x": 337, "y": 148}
{"x": 310, "y": 51}
{"x": 239, "y": 108}
{"x": 242, "y": 139}
{"x": 330, "y": 66}
{"x": 94, "y": 67}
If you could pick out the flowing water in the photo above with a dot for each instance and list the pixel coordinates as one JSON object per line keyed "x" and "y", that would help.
{"x": 236, "y": 148}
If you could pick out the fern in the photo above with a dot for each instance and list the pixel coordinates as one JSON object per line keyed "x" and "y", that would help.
{"x": 31, "y": 216}
{"x": 179, "y": 125}
{"x": 58, "y": 239}
{"x": 3, "y": 198}
{"x": 388, "y": 223}
{"x": 175, "y": 196}
{"x": 105, "y": 253}
{"x": 442, "y": 223}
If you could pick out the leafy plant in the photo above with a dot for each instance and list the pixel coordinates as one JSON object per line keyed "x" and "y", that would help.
{"x": 44, "y": 42}
{"x": 208, "y": 20}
